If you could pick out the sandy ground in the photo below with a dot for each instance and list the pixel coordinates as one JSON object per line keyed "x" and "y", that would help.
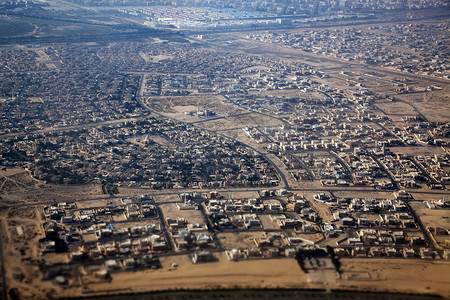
{"x": 435, "y": 105}
{"x": 396, "y": 275}
{"x": 250, "y": 119}
{"x": 393, "y": 275}
{"x": 191, "y": 216}
{"x": 397, "y": 108}
{"x": 417, "y": 150}
{"x": 241, "y": 240}
{"x": 283, "y": 273}
{"x": 18, "y": 187}
{"x": 432, "y": 217}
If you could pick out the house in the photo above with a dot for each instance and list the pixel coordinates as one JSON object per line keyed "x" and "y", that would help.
{"x": 148, "y": 210}
{"x": 308, "y": 228}
{"x": 322, "y": 197}
{"x": 275, "y": 207}
{"x": 391, "y": 252}
{"x": 339, "y": 251}
{"x": 359, "y": 252}
{"x": 132, "y": 211}
{"x": 408, "y": 253}
{"x": 375, "y": 252}
{"x": 202, "y": 256}
{"x": 347, "y": 221}
{"x": 290, "y": 252}
{"x": 129, "y": 263}
{"x": 271, "y": 252}
{"x": 103, "y": 233}
{"x": 363, "y": 221}
{"x": 236, "y": 254}
{"x": 111, "y": 265}
{"x": 426, "y": 253}
{"x": 48, "y": 246}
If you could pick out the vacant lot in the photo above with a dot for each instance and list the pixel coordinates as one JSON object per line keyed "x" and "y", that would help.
{"x": 191, "y": 216}
{"x": 396, "y": 275}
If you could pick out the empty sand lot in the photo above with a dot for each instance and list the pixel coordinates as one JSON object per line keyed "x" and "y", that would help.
{"x": 274, "y": 273}
{"x": 396, "y": 275}
{"x": 178, "y": 273}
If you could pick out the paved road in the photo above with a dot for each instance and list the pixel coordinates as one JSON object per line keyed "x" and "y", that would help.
{"x": 386, "y": 170}
{"x": 72, "y": 127}
{"x": 415, "y": 108}
{"x": 426, "y": 233}
{"x": 220, "y": 117}
{"x": 176, "y": 192}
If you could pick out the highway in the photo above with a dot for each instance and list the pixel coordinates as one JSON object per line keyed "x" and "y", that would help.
{"x": 74, "y": 127}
